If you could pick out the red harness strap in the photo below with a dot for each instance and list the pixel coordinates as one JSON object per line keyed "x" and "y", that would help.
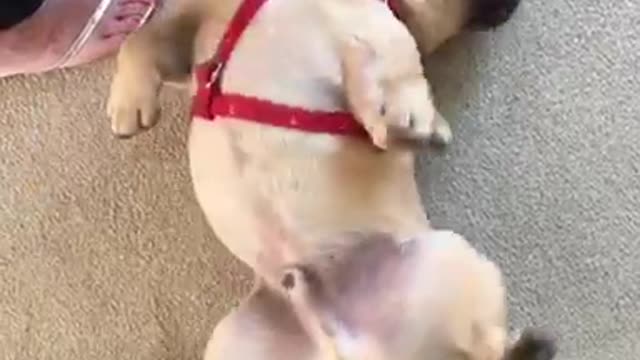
{"x": 210, "y": 101}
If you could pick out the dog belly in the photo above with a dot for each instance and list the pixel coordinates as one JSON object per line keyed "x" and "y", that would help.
{"x": 322, "y": 184}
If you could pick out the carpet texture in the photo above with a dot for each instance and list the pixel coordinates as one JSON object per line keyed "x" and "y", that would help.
{"x": 104, "y": 253}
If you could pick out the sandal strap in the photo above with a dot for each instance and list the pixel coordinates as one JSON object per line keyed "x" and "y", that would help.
{"x": 89, "y": 29}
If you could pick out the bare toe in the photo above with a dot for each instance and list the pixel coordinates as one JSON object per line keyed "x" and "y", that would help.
{"x": 121, "y": 19}
{"x": 128, "y": 8}
{"x": 122, "y": 25}
{"x": 65, "y": 33}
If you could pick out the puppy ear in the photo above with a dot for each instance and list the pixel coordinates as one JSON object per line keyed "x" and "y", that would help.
{"x": 533, "y": 344}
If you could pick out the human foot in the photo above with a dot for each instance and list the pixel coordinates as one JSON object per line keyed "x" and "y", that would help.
{"x": 64, "y": 33}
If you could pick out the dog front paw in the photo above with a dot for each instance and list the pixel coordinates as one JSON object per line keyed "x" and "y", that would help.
{"x": 408, "y": 117}
{"x": 410, "y": 131}
{"x": 488, "y": 14}
{"x": 133, "y": 105}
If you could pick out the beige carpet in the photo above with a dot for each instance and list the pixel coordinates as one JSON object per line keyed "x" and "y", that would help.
{"x": 105, "y": 255}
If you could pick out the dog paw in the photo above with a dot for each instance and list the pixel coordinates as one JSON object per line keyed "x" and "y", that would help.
{"x": 442, "y": 134}
{"x": 488, "y": 14}
{"x": 410, "y": 129}
{"x": 133, "y": 106}
{"x": 410, "y": 133}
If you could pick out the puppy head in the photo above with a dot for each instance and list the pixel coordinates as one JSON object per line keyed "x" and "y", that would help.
{"x": 432, "y": 297}
{"x": 432, "y": 22}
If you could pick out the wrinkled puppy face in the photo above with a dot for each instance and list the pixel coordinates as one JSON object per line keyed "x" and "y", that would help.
{"x": 432, "y": 297}
{"x": 432, "y": 22}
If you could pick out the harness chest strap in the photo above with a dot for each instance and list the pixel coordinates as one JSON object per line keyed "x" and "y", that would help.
{"x": 210, "y": 101}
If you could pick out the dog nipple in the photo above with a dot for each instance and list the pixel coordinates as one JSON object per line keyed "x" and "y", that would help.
{"x": 288, "y": 282}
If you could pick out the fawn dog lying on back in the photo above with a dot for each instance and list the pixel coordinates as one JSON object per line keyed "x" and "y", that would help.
{"x": 297, "y": 159}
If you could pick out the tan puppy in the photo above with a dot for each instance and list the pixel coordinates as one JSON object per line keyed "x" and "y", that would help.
{"x": 348, "y": 266}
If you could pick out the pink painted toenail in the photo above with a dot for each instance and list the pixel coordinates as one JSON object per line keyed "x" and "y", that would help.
{"x": 135, "y": 2}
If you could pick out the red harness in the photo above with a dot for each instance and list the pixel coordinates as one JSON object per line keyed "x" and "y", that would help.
{"x": 210, "y": 101}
